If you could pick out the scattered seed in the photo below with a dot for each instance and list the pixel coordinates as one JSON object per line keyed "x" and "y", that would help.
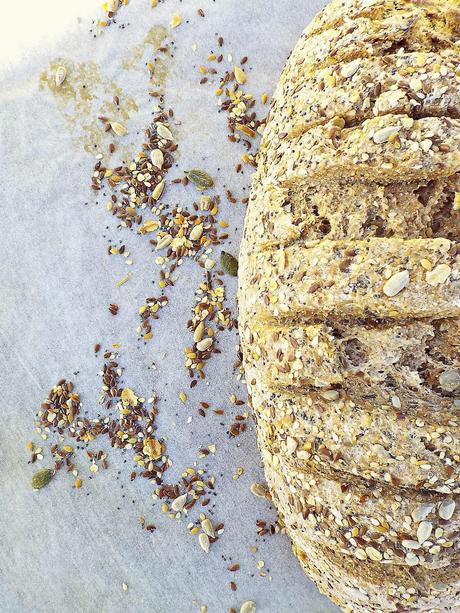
{"x": 157, "y": 158}
{"x": 203, "y": 540}
{"x": 201, "y": 179}
{"x": 41, "y": 478}
{"x": 259, "y": 490}
{"x": 176, "y": 20}
{"x": 229, "y": 263}
{"x": 240, "y": 75}
{"x": 60, "y": 76}
{"x": 118, "y": 128}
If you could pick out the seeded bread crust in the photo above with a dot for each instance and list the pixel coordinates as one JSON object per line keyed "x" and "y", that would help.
{"x": 354, "y": 279}
{"x": 378, "y": 588}
{"x": 415, "y": 84}
{"x": 375, "y": 442}
{"x": 368, "y": 523}
{"x": 280, "y": 215}
{"x": 411, "y": 28}
{"x": 340, "y": 11}
{"x": 381, "y": 149}
{"x": 411, "y": 364}
{"x": 349, "y": 303}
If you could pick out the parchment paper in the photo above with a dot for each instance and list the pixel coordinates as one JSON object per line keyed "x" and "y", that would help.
{"x": 66, "y": 550}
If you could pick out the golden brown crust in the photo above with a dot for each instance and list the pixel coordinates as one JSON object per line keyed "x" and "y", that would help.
{"x": 385, "y": 149}
{"x": 415, "y": 84}
{"x": 369, "y": 523}
{"x": 280, "y": 215}
{"x": 384, "y": 278}
{"x": 349, "y": 303}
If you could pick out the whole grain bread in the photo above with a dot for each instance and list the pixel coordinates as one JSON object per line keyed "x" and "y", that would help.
{"x": 349, "y": 303}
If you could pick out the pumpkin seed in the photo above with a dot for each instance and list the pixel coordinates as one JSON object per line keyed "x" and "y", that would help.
{"x": 374, "y": 554}
{"x": 157, "y": 158}
{"x": 41, "y": 478}
{"x": 196, "y": 232}
{"x": 259, "y": 490}
{"x": 163, "y": 131}
{"x": 60, "y": 75}
{"x": 229, "y": 263}
{"x": 424, "y": 531}
{"x": 396, "y": 283}
{"x": 438, "y": 275}
{"x": 179, "y": 503}
{"x": 204, "y": 344}
{"x": 240, "y": 75}
{"x": 447, "y": 508}
{"x": 200, "y": 179}
{"x": 350, "y": 69}
{"x": 119, "y": 128}
{"x": 421, "y": 512}
{"x": 158, "y": 190}
{"x": 207, "y": 527}
{"x": 176, "y": 20}
{"x": 449, "y": 380}
{"x": 203, "y": 539}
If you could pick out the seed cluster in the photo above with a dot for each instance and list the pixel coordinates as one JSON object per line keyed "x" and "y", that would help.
{"x": 58, "y": 411}
{"x": 209, "y": 317}
{"x": 125, "y": 419}
{"x": 243, "y": 123}
{"x": 139, "y": 185}
{"x": 110, "y": 9}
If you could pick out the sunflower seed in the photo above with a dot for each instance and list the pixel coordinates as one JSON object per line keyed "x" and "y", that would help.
{"x": 259, "y": 490}
{"x": 240, "y": 75}
{"x": 199, "y": 331}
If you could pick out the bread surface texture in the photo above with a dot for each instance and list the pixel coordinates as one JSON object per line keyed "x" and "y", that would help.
{"x": 349, "y": 303}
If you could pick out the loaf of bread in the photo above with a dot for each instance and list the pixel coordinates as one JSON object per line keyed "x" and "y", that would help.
{"x": 349, "y": 303}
